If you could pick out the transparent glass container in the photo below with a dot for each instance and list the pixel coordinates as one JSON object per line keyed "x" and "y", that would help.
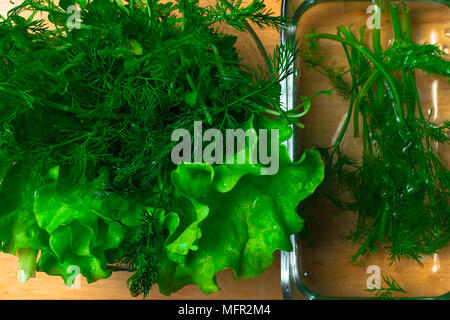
{"x": 322, "y": 270}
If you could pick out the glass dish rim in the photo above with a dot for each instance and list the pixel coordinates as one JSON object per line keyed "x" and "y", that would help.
{"x": 291, "y": 282}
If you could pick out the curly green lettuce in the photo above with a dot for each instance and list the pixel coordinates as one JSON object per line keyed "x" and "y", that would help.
{"x": 71, "y": 227}
{"x": 231, "y": 216}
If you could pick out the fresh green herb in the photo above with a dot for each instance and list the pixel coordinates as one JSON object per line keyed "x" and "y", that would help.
{"x": 401, "y": 185}
{"x": 141, "y": 252}
{"x": 386, "y": 293}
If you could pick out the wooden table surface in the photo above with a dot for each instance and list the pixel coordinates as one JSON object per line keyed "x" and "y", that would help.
{"x": 266, "y": 286}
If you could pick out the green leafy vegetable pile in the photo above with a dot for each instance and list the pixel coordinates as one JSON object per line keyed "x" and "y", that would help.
{"x": 86, "y": 117}
{"x": 400, "y": 187}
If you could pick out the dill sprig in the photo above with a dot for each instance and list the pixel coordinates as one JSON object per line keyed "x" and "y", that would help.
{"x": 386, "y": 293}
{"x": 141, "y": 256}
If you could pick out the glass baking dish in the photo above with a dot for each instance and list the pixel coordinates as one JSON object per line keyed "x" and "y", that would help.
{"x": 322, "y": 270}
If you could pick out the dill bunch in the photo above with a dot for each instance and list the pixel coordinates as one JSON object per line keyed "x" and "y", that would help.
{"x": 121, "y": 84}
{"x": 400, "y": 187}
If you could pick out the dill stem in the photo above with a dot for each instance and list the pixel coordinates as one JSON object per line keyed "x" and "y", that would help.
{"x": 378, "y": 51}
{"x": 149, "y": 12}
{"x": 406, "y": 24}
{"x": 353, "y": 73}
{"x": 369, "y": 239}
{"x": 64, "y": 108}
{"x": 366, "y": 135}
{"x": 395, "y": 21}
{"x": 398, "y": 109}
{"x": 376, "y": 38}
{"x": 347, "y": 120}
{"x": 406, "y": 34}
{"x": 361, "y": 95}
{"x": 410, "y": 103}
{"x": 85, "y": 136}
{"x": 17, "y": 94}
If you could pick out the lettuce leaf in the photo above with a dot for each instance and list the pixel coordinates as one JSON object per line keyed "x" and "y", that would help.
{"x": 231, "y": 216}
{"x": 74, "y": 227}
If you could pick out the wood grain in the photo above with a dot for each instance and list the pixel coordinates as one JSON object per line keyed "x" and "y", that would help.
{"x": 266, "y": 286}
